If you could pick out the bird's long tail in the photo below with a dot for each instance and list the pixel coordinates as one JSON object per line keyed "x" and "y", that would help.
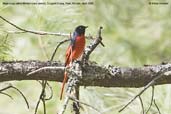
{"x": 63, "y": 84}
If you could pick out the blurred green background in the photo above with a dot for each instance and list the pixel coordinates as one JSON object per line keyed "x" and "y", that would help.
{"x": 135, "y": 33}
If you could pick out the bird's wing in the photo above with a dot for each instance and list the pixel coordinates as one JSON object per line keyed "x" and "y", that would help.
{"x": 67, "y": 56}
{"x": 70, "y": 48}
{"x": 73, "y": 40}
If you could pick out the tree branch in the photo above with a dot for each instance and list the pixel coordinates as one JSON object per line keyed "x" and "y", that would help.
{"x": 23, "y": 30}
{"x": 92, "y": 75}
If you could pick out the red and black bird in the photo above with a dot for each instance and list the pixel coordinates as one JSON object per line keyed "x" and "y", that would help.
{"x": 74, "y": 50}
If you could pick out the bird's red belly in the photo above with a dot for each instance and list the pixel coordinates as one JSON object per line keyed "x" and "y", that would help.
{"x": 78, "y": 48}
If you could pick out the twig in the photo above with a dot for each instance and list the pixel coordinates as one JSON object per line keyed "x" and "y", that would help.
{"x": 22, "y": 30}
{"x": 5, "y": 88}
{"x": 44, "y": 105}
{"x": 14, "y": 32}
{"x": 50, "y": 88}
{"x": 92, "y": 46}
{"x": 5, "y": 39}
{"x": 10, "y": 86}
{"x": 7, "y": 95}
{"x": 37, "y": 105}
{"x": 151, "y": 83}
{"x": 41, "y": 98}
{"x": 51, "y": 91}
{"x": 141, "y": 104}
{"x": 34, "y": 32}
{"x": 44, "y": 83}
{"x": 25, "y": 99}
{"x": 44, "y": 68}
{"x": 59, "y": 43}
{"x": 157, "y": 107}
{"x": 74, "y": 99}
{"x": 152, "y": 98}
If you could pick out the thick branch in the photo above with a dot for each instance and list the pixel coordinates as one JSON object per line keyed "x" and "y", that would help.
{"x": 93, "y": 75}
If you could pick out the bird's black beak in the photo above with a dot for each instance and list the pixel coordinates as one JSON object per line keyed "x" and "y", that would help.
{"x": 86, "y": 27}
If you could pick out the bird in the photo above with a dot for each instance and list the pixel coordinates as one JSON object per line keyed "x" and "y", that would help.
{"x": 74, "y": 50}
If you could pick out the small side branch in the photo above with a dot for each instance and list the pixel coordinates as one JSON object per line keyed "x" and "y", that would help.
{"x": 45, "y": 68}
{"x": 42, "y": 98}
{"x": 92, "y": 46}
{"x": 11, "y": 86}
{"x": 152, "y": 98}
{"x": 157, "y": 107}
{"x": 76, "y": 100}
{"x": 7, "y": 95}
{"x": 151, "y": 83}
{"x": 22, "y": 30}
{"x": 59, "y": 44}
{"x": 25, "y": 99}
{"x": 32, "y": 31}
{"x": 142, "y": 105}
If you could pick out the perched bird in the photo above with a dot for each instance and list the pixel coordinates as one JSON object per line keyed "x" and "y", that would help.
{"x": 74, "y": 50}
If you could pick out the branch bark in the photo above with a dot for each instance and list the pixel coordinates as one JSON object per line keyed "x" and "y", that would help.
{"x": 92, "y": 75}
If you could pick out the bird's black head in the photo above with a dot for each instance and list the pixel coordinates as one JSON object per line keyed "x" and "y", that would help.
{"x": 80, "y": 29}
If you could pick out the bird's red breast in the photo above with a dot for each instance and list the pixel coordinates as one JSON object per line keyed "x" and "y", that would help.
{"x": 75, "y": 52}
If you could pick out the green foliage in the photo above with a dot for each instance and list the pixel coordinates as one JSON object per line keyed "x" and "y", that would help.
{"x": 5, "y": 47}
{"x": 135, "y": 33}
